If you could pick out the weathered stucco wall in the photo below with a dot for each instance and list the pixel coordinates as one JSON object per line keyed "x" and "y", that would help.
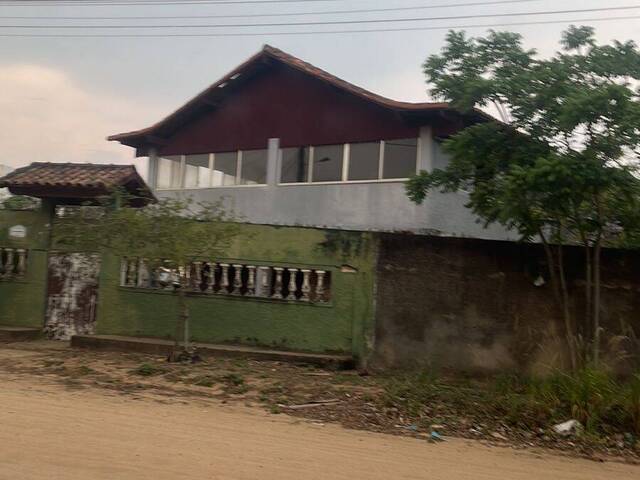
{"x": 472, "y": 304}
{"x": 22, "y": 301}
{"x": 344, "y": 325}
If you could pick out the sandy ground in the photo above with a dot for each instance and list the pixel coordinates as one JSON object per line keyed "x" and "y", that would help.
{"x": 49, "y": 431}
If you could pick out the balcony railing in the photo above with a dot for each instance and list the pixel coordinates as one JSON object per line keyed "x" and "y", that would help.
{"x": 233, "y": 278}
{"x": 13, "y": 263}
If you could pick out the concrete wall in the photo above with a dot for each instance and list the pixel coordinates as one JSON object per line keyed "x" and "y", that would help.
{"x": 472, "y": 304}
{"x": 345, "y": 324}
{"x": 374, "y": 206}
{"x": 23, "y": 301}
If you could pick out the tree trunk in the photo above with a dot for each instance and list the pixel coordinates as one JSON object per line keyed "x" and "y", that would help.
{"x": 570, "y": 333}
{"x": 551, "y": 262}
{"x": 588, "y": 285}
{"x": 182, "y": 323}
{"x": 560, "y": 292}
{"x": 596, "y": 302}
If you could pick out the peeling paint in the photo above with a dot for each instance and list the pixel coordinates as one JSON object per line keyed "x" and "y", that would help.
{"x": 72, "y": 295}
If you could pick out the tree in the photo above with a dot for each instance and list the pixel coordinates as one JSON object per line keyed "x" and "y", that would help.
{"x": 171, "y": 233}
{"x": 562, "y": 166}
{"x": 19, "y": 202}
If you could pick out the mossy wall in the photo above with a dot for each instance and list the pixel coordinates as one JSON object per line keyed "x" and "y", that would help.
{"x": 342, "y": 325}
{"x": 23, "y": 301}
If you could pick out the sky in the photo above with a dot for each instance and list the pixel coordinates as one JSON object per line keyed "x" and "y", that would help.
{"x": 60, "y": 97}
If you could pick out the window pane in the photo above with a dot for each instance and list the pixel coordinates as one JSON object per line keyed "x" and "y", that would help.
{"x": 295, "y": 165}
{"x": 363, "y": 161}
{"x": 327, "y": 163}
{"x": 225, "y": 168}
{"x": 400, "y": 158}
{"x": 254, "y": 167}
{"x": 168, "y": 172}
{"x": 196, "y": 171}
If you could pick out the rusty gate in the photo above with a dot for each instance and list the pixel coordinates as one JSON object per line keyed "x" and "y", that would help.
{"x": 72, "y": 294}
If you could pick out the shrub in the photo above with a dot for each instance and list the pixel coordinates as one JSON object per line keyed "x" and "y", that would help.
{"x": 632, "y": 403}
{"x": 147, "y": 370}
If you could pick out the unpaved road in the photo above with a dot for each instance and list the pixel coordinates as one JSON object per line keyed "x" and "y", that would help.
{"x": 50, "y": 432}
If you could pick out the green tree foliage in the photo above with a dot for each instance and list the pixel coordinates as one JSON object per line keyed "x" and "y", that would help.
{"x": 171, "y": 233}
{"x": 19, "y": 202}
{"x": 562, "y": 165}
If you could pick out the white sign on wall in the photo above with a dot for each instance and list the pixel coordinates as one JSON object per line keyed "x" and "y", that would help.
{"x": 18, "y": 231}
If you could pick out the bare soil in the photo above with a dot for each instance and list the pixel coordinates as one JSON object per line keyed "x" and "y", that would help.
{"x": 84, "y": 414}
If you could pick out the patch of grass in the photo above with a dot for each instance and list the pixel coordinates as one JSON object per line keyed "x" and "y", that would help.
{"x": 632, "y": 403}
{"x": 147, "y": 370}
{"x": 234, "y": 383}
{"x": 52, "y": 363}
{"x": 600, "y": 402}
{"x": 84, "y": 370}
{"x": 590, "y": 396}
{"x": 203, "y": 381}
{"x": 411, "y": 392}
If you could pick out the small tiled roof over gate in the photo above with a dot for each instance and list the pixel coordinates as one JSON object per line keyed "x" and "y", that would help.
{"x": 75, "y": 182}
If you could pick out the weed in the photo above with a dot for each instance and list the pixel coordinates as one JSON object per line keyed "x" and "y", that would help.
{"x": 234, "y": 384}
{"x": 84, "y": 370}
{"x": 233, "y": 379}
{"x": 632, "y": 403}
{"x": 601, "y": 403}
{"x": 411, "y": 391}
{"x": 147, "y": 370}
{"x": 52, "y": 363}
{"x": 203, "y": 381}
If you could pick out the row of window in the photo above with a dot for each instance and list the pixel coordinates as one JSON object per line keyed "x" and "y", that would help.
{"x": 384, "y": 160}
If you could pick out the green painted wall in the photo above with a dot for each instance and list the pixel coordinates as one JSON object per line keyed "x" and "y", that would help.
{"x": 344, "y": 325}
{"x": 22, "y": 301}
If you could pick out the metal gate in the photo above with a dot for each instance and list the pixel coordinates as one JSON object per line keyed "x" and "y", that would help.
{"x": 72, "y": 294}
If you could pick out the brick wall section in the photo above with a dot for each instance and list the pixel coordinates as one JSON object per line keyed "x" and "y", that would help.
{"x": 472, "y": 304}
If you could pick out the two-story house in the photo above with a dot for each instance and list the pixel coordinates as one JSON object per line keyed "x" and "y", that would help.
{"x": 286, "y": 143}
{"x": 332, "y": 255}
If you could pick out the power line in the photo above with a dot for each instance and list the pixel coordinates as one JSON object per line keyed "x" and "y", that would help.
{"x": 103, "y": 3}
{"x": 283, "y": 14}
{"x": 332, "y": 22}
{"x": 319, "y": 32}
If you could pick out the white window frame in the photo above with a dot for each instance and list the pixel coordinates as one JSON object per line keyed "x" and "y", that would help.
{"x": 180, "y": 173}
{"x": 345, "y": 167}
{"x": 212, "y": 163}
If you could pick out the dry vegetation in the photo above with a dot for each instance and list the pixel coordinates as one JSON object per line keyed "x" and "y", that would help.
{"x": 504, "y": 410}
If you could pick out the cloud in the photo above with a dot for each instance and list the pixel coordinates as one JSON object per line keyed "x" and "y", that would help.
{"x": 49, "y": 117}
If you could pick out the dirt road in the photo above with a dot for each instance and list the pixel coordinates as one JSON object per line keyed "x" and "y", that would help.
{"x": 50, "y": 432}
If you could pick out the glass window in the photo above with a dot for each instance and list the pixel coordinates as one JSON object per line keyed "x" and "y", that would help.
{"x": 327, "y": 163}
{"x": 295, "y": 165}
{"x": 254, "y": 167}
{"x": 400, "y": 158}
{"x": 168, "y": 172}
{"x": 196, "y": 171}
{"x": 364, "y": 159}
{"x": 225, "y": 166}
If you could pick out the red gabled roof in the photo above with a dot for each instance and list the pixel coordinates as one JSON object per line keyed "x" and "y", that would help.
{"x": 85, "y": 180}
{"x": 269, "y": 53}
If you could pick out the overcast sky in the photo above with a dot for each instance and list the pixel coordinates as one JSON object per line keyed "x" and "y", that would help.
{"x": 60, "y": 97}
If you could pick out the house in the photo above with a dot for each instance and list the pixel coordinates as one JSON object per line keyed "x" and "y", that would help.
{"x": 333, "y": 257}
{"x": 285, "y": 143}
